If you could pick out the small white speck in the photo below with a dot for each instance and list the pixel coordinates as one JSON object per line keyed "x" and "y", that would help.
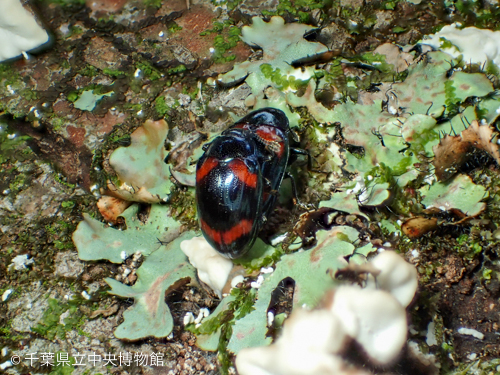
{"x": 387, "y": 244}
{"x": 138, "y": 73}
{"x": 392, "y": 110}
{"x": 140, "y": 113}
{"x": 21, "y": 262}
{"x": 5, "y": 351}
{"x": 369, "y": 177}
{"x": 212, "y": 49}
{"x": 126, "y": 272}
{"x": 25, "y": 55}
{"x": 170, "y": 336}
{"x": 277, "y": 240}
{"x": 415, "y": 253}
{"x": 270, "y": 318}
{"x": 94, "y": 187}
{"x": 258, "y": 283}
{"x": 6, "y": 365}
{"x": 6, "y": 191}
{"x": 267, "y": 270}
{"x": 86, "y": 295}
{"x": 472, "y": 356}
{"x": 161, "y": 34}
{"x": 430, "y": 337}
{"x": 471, "y": 332}
{"x": 6, "y": 295}
{"x": 123, "y": 255}
{"x": 442, "y": 208}
{"x": 37, "y": 114}
{"x": 10, "y": 89}
{"x": 188, "y": 318}
{"x": 11, "y": 136}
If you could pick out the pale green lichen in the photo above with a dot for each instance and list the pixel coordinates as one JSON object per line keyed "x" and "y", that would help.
{"x": 461, "y": 194}
{"x": 150, "y": 315}
{"x": 143, "y": 175}
{"x": 95, "y": 241}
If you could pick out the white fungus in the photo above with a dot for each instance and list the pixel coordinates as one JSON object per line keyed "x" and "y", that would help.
{"x": 19, "y": 31}
{"x": 213, "y": 269}
{"x": 374, "y": 318}
{"x": 305, "y": 348}
{"x": 396, "y": 276}
{"x": 466, "y": 42}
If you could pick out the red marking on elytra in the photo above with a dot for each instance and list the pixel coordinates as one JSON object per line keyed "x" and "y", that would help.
{"x": 225, "y": 238}
{"x": 206, "y": 167}
{"x": 239, "y": 168}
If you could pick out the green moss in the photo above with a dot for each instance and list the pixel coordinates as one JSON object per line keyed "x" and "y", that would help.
{"x": 227, "y": 38}
{"x": 149, "y": 71}
{"x": 63, "y": 364}
{"x": 178, "y": 69}
{"x": 29, "y": 94}
{"x": 10, "y": 145}
{"x": 64, "y": 3}
{"x": 113, "y": 72}
{"x": 282, "y": 81}
{"x": 172, "y": 27}
{"x": 7, "y": 74}
{"x": 62, "y": 180}
{"x": 72, "y": 96}
{"x": 451, "y": 101}
{"x": 161, "y": 106}
{"x": 50, "y": 326}
{"x": 300, "y": 9}
{"x": 89, "y": 71}
{"x": 153, "y": 3}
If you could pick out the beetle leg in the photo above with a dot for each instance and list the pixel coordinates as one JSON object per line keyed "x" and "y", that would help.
{"x": 294, "y": 188}
{"x": 300, "y": 151}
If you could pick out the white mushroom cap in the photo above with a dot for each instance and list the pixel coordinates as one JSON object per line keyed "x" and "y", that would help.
{"x": 307, "y": 347}
{"x": 19, "y": 31}
{"x": 213, "y": 269}
{"x": 396, "y": 276}
{"x": 374, "y": 318}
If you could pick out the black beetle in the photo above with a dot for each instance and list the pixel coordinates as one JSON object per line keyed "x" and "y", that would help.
{"x": 238, "y": 177}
